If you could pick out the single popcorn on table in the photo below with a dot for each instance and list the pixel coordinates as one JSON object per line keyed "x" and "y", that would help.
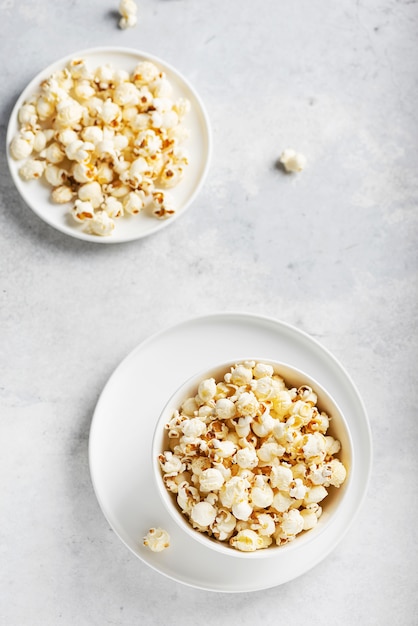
{"x": 157, "y": 539}
{"x": 292, "y": 161}
{"x": 246, "y": 459}
{"x": 128, "y": 11}
{"x": 106, "y": 136}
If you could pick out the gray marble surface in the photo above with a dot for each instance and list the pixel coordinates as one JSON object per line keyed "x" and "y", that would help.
{"x": 332, "y": 251}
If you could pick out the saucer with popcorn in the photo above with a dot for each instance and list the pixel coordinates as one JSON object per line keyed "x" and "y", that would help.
{"x": 241, "y": 476}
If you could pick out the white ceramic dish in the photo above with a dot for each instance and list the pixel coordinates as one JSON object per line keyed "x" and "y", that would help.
{"x": 293, "y": 377}
{"x": 37, "y": 195}
{"x": 124, "y": 422}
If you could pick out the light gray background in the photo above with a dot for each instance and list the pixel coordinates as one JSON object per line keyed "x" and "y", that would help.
{"x": 332, "y": 250}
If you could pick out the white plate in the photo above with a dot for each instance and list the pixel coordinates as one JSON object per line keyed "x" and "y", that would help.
{"x": 122, "y": 430}
{"x": 37, "y": 195}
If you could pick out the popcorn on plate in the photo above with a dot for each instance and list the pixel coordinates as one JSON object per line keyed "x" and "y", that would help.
{"x": 157, "y": 539}
{"x": 108, "y": 143}
{"x": 248, "y": 460}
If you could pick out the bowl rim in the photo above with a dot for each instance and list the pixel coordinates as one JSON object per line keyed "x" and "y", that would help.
{"x": 181, "y": 520}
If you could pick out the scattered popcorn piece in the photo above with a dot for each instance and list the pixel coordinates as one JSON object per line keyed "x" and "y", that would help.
{"x": 118, "y": 131}
{"x": 292, "y": 161}
{"x": 157, "y": 539}
{"x": 246, "y": 459}
{"x": 128, "y": 11}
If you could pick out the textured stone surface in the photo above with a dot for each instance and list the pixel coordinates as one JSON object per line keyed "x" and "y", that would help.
{"x": 332, "y": 250}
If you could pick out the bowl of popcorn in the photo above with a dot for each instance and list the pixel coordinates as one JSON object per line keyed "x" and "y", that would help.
{"x": 109, "y": 144}
{"x": 252, "y": 457}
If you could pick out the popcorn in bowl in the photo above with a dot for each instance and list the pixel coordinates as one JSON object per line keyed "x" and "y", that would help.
{"x": 107, "y": 142}
{"x": 250, "y": 456}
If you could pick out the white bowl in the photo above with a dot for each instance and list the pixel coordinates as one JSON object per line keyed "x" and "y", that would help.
{"x": 332, "y": 505}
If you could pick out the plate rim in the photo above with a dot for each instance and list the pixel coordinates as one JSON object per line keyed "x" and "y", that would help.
{"x": 142, "y": 55}
{"x": 249, "y": 317}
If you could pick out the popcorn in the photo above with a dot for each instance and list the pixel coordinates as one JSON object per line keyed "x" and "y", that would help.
{"x": 170, "y": 463}
{"x": 247, "y": 404}
{"x": 126, "y": 94}
{"x": 53, "y": 153}
{"x": 338, "y": 473}
{"x": 246, "y": 458}
{"x": 69, "y": 113}
{"x": 62, "y": 194}
{"x": 247, "y": 461}
{"x": 241, "y": 375}
{"x": 315, "y": 494}
{"x": 122, "y": 131}
{"x": 269, "y": 451}
{"x": 39, "y": 141}
{"x": 44, "y": 108}
{"x": 242, "y": 510}
{"x": 91, "y": 192}
{"x": 157, "y": 539}
{"x": 292, "y": 524}
{"x": 263, "y": 370}
{"x": 113, "y": 207}
{"x": 314, "y": 446}
{"x": 67, "y": 136}
{"x": 224, "y": 525}
{"x": 282, "y": 501}
{"x": 27, "y": 115}
{"x": 297, "y": 489}
{"x": 100, "y": 224}
{"x": 22, "y": 145}
{"x": 223, "y": 449}
{"x": 234, "y": 490}
{"x": 248, "y": 541}
{"x": 211, "y": 479}
{"x": 261, "y": 494}
{"x": 78, "y": 150}
{"x": 83, "y": 211}
{"x": 203, "y": 514}
{"x": 193, "y": 427}
{"x": 292, "y": 161}
{"x": 162, "y": 205}
{"x": 263, "y": 523}
{"x": 206, "y": 389}
{"x": 145, "y": 73}
{"x": 32, "y": 169}
{"x": 83, "y": 173}
{"x": 55, "y": 175}
{"x": 128, "y": 11}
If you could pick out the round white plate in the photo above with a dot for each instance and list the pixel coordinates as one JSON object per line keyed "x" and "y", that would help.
{"x": 122, "y": 429}
{"x": 37, "y": 195}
